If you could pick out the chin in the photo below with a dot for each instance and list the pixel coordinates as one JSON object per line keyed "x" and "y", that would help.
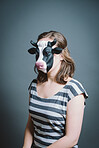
{"x": 43, "y": 70}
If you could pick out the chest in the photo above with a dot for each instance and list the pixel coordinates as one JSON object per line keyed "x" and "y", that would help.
{"x": 49, "y": 109}
{"x": 48, "y": 90}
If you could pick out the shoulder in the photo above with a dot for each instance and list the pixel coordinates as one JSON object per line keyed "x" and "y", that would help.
{"x": 75, "y": 88}
{"x": 34, "y": 81}
{"x": 76, "y": 84}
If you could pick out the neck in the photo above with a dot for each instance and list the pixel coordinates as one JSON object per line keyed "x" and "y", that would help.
{"x": 52, "y": 74}
{"x": 51, "y": 77}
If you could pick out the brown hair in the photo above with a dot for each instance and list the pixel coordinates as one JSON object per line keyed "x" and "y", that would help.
{"x": 67, "y": 67}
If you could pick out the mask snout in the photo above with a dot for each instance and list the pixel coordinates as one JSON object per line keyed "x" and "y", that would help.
{"x": 39, "y": 65}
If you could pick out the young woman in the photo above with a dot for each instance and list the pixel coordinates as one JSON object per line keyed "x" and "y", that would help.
{"x": 57, "y": 100}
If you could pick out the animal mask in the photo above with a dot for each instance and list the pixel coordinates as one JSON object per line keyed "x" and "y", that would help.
{"x": 44, "y": 54}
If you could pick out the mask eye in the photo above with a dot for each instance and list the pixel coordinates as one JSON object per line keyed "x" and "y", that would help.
{"x": 46, "y": 51}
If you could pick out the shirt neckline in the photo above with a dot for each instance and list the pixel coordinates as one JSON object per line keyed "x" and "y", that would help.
{"x": 55, "y": 93}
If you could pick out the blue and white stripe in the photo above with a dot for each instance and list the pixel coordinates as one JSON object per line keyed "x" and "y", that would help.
{"x": 49, "y": 115}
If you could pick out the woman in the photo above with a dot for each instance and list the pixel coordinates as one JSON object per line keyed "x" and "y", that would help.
{"x": 57, "y": 100}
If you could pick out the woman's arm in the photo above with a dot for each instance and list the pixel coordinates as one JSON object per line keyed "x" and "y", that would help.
{"x": 28, "y": 136}
{"x": 74, "y": 118}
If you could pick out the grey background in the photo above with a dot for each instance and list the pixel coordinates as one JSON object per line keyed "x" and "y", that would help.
{"x": 23, "y": 20}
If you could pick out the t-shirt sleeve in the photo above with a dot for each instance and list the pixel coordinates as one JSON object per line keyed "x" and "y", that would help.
{"x": 29, "y": 88}
{"x": 30, "y": 85}
{"x": 76, "y": 88}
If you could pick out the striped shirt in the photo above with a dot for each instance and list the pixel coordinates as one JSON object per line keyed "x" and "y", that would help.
{"x": 49, "y": 114}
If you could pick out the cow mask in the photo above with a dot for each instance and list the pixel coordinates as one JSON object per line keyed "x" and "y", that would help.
{"x": 44, "y": 54}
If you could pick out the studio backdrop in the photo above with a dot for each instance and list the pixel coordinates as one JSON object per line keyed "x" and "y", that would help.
{"x": 23, "y": 20}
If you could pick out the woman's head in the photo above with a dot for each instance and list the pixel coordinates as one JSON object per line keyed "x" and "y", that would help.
{"x": 67, "y": 64}
{"x": 61, "y": 40}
